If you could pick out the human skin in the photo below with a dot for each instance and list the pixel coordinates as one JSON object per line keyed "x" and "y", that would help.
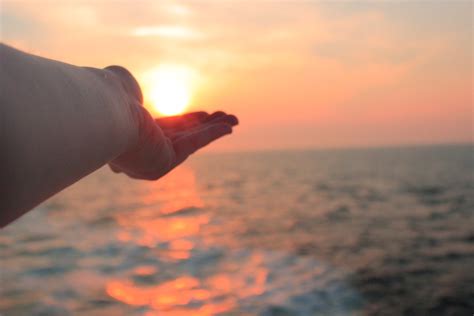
{"x": 59, "y": 123}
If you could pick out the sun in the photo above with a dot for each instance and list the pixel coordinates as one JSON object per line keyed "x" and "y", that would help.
{"x": 168, "y": 89}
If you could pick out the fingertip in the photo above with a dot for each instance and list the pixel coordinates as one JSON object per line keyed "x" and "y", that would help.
{"x": 233, "y": 120}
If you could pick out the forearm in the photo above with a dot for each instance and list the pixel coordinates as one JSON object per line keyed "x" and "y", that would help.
{"x": 58, "y": 123}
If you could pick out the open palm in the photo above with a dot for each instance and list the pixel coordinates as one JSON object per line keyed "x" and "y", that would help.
{"x": 167, "y": 142}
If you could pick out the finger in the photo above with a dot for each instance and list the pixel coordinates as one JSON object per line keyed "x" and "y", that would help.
{"x": 226, "y": 119}
{"x": 214, "y": 116}
{"x": 230, "y": 119}
{"x": 188, "y": 144}
{"x": 180, "y": 122}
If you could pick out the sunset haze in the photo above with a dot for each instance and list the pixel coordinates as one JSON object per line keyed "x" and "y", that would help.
{"x": 298, "y": 74}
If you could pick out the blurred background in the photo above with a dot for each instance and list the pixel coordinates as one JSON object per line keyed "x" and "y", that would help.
{"x": 347, "y": 189}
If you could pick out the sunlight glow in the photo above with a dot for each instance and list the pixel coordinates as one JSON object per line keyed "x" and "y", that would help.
{"x": 169, "y": 31}
{"x": 169, "y": 88}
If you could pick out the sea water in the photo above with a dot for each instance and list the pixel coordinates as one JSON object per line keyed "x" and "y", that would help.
{"x": 382, "y": 231}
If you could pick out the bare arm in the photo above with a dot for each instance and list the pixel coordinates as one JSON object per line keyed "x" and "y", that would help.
{"x": 59, "y": 122}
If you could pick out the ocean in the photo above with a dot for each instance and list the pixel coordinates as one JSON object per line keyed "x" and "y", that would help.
{"x": 381, "y": 231}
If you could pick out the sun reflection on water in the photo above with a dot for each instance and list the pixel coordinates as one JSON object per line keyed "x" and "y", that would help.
{"x": 172, "y": 230}
{"x": 171, "y": 222}
{"x": 175, "y": 268}
{"x": 188, "y": 295}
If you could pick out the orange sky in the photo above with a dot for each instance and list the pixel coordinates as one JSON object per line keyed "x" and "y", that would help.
{"x": 300, "y": 74}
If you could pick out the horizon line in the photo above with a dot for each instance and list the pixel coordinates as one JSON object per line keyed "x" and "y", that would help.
{"x": 342, "y": 147}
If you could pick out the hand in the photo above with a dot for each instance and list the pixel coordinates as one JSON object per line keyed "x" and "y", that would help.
{"x": 165, "y": 143}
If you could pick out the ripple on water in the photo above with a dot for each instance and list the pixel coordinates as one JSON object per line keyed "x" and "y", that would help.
{"x": 245, "y": 281}
{"x": 112, "y": 246}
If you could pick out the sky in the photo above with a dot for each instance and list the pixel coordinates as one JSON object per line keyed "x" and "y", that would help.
{"x": 297, "y": 74}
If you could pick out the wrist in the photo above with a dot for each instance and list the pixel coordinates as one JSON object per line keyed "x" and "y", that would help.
{"x": 127, "y": 80}
{"x": 131, "y": 98}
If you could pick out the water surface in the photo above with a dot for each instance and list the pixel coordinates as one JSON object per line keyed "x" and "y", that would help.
{"x": 339, "y": 232}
